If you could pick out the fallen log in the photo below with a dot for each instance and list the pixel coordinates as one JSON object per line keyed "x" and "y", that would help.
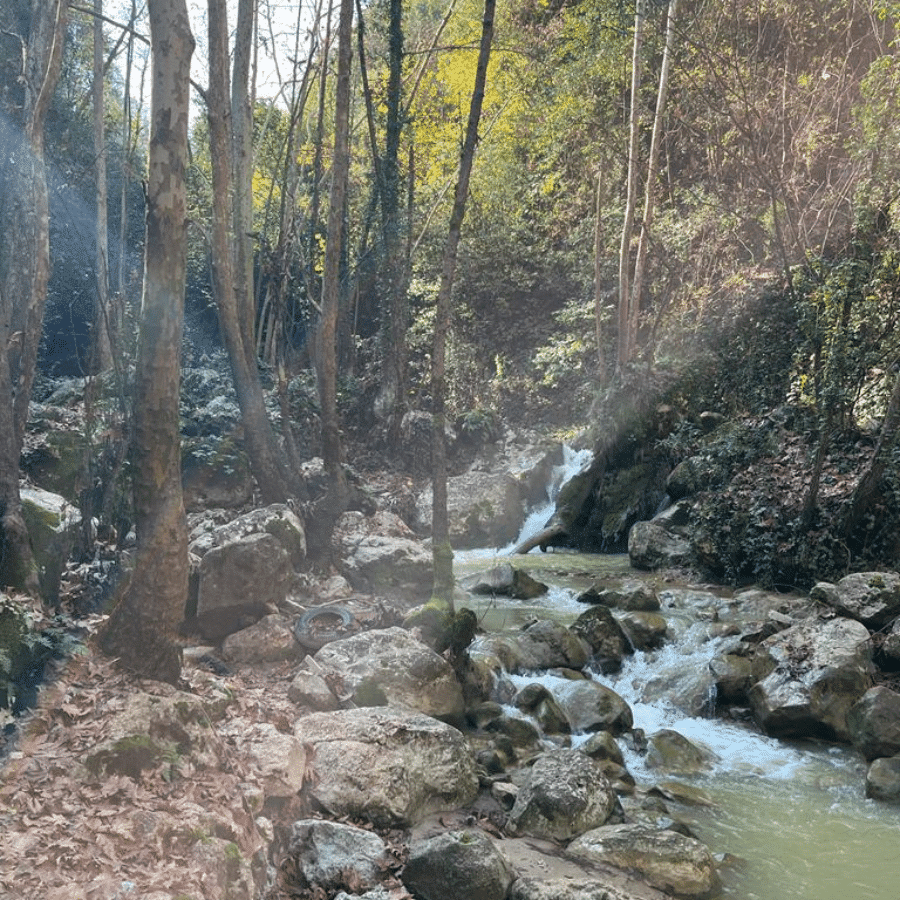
{"x": 541, "y": 539}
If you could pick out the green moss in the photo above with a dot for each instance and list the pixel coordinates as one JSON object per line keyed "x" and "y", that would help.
{"x": 128, "y": 756}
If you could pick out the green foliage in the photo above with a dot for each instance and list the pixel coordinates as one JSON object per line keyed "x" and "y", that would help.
{"x": 849, "y": 312}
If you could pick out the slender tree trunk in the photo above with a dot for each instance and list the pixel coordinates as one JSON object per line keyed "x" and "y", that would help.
{"x": 315, "y": 200}
{"x": 267, "y": 460}
{"x": 332, "y": 450}
{"x": 626, "y": 338}
{"x": 652, "y": 171}
{"x": 101, "y": 343}
{"x": 242, "y": 174}
{"x": 142, "y": 628}
{"x": 25, "y": 270}
{"x": 440, "y": 531}
{"x": 395, "y": 310}
{"x": 598, "y": 274}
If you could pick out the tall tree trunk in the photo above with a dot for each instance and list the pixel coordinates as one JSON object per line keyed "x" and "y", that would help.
{"x": 332, "y": 450}
{"x": 395, "y": 274}
{"x": 142, "y": 628}
{"x": 25, "y": 268}
{"x": 242, "y": 173}
{"x": 267, "y": 460}
{"x": 440, "y": 530}
{"x": 626, "y": 338}
{"x": 100, "y": 343}
{"x": 637, "y": 286}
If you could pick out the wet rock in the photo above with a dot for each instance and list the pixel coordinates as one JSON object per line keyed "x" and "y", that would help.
{"x": 590, "y": 706}
{"x": 565, "y": 794}
{"x": 505, "y": 581}
{"x": 874, "y": 723}
{"x": 380, "y": 553}
{"x": 818, "y": 670}
{"x": 883, "y": 779}
{"x": 547, "y": 645}
{"x": 673, "y": 752}
{"x": 603, "y": 634}
{"x": 602, "y": 746}
{"x": 872, "y": 598}
{"x": 733, "y": 676}
{"x": 645, "y": 630}
{"x": 539, "y": 703}
{"x": 890, "y": 646}
{"x": 666, "y": 860}
{"x": 628, "y": 595}
{"x": 457, "y": 864}
{"x": 385, "y": 766}
{"x": 390, "y": 667}
{"x": 328, "y": 856}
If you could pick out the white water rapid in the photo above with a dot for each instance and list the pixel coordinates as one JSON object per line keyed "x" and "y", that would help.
{"x": 790, "y": 819}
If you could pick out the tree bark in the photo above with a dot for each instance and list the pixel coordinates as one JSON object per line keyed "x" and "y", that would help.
{"x": 637, "y": 286}
{"x": 101, "y": 337}
{"x": 626, "y": 338}
{"x": 267, "y": 460}
{"x": 336, "y": 500}
{"x": 242, "y": 173}
{"x": 440, "y": 530}
{"x": 395, "y": 277}
{"x": 142, "y": 628}
{"x": 25, "y": 268}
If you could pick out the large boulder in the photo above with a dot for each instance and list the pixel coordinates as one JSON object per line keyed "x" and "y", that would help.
{"x": 243, "y": 569}
{"x": 387, "y": 767}
{"x": 655, "y": 545}
{"x": 674, "y": 753}
{"x": 645, "y": 630}
{"x": 390, "y": 667}
{"x": 506, "y": 581}
{"x": 457, "y": 864}
{"x": 872, "y": 598}
{"x": 665, "y": 859}
{"x": 53, "y": 527}
{"x": 817, "y": 671}
{"x": 565, "y": 794}
{"x": 883, "y": 779}
{"x": 591, "y": 706}
{"x": 604, "y": 635}
{"x": 874, "y": 723}
{"x": 328, "y": 856}
{"x": 380, "y": 553}
{"x": 549, "y": 645}
{"x": 239, "y": 582}
{"x": 484, "y": 509}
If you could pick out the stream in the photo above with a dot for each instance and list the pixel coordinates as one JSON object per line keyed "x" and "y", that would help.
{"x": 790, "y": 818}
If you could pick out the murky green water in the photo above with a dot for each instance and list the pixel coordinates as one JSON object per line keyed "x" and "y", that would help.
{"x": 792, "y": 818}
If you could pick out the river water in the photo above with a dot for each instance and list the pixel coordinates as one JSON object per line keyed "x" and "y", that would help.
{"x": 791, "y": 818}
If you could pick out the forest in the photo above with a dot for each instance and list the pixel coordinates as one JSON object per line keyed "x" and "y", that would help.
{"x": 527, "y": 214}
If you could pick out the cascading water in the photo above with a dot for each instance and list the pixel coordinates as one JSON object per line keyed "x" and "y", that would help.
{"x": 791, "y": 815}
